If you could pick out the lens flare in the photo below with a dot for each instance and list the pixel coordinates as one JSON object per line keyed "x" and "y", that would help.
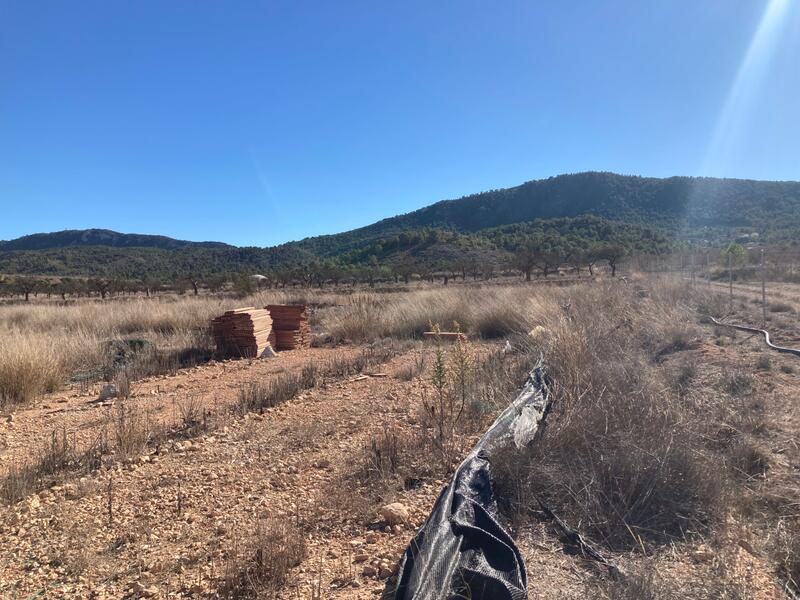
{"x": 747, "y": 85}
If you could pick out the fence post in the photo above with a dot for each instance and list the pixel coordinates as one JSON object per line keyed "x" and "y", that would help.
{"x": 730, "y": 281}
{"x": 763, "y": 290}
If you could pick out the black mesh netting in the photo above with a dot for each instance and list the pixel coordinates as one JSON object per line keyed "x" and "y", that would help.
{"x": 462, "y": 551}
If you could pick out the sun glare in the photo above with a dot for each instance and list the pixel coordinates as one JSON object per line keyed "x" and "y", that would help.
{"x": 748, "y": 84}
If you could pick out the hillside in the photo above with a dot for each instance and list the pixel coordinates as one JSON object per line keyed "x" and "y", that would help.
{"x": 423, "y": 250}
{"x": 676, "y": 204}
{"x": 138, "y": 263}
{"x": 567, "y": 212}
{"x": 99, "y": 237}
{"x": 704, "y": 207}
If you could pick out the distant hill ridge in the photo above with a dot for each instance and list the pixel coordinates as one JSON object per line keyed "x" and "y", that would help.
{"x": 644, "y": 212}
{"x": 99, "y": 237}
{"x": 684, "y": 207}
{"x": 674, "y": 202}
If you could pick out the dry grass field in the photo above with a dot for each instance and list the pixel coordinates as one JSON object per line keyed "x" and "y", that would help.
{"x": 672, "y": 444}
{"x": 43, "y": 345}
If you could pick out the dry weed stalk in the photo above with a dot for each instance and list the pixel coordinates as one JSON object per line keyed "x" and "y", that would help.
{"x": 384, "y": 454}
{"x": 261, "y": 567}
{"x": 452, "y": 378}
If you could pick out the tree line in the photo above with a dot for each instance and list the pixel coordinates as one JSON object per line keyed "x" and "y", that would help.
{"x": 536, "y": 249}
{"x": 527, "y": 262}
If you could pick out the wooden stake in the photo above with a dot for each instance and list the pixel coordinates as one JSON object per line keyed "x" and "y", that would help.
{"x": 110, "y": 501}
{"x": 730, "y": 280}
{"x": 763, "y": 290}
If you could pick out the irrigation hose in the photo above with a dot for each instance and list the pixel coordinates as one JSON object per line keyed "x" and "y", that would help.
{"x": 784, "y": 349}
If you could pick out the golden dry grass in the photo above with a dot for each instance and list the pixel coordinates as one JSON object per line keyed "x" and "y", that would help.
{"x": 29, "y": 366}
{"x": 488, "y": 311}
{"x": 43, "y": 344}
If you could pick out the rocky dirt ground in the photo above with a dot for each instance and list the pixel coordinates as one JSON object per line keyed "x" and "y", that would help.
{"x": 211, "y": 386}
{"x": 783, "y": 307}
{"x": 165, "y": 523}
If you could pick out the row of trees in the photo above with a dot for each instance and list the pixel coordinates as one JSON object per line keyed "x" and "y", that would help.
{"x": 28, "y": 286}
{"x": 532, "y": 259}
{"x": 544, "y": 259}
{"x": 527, "y": 250}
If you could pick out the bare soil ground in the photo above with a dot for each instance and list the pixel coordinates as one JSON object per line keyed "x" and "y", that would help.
{"x": 167, "y": 522}
{"x": 783, "y": 308}
{"x": 210, "y": 387}
{"x": 166, "y": 519}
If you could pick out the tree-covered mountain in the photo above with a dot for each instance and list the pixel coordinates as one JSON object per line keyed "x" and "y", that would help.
{"x": 99, "y": 237}
{"x": 568, "y": 215}
{"x": 427, "y": 250}
{"x": 681, "y": 206}
{"x": 138, "y": 263}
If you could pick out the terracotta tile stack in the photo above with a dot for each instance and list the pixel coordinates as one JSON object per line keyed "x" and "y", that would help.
{"x": 290, "y": 324}
{"x": 243, "y": 332}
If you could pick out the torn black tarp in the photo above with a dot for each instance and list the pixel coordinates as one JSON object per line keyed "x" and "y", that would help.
{"x": 462, "y": 551}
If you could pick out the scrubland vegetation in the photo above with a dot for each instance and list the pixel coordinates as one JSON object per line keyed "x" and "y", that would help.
{"x": 626, "y": 452}
{"x": 652, "y": 443}
{"x": 644, "y": 447}
{"x": 43, "y": 346}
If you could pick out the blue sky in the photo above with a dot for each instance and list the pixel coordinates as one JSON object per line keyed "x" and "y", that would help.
{"x": 256, "y": 123}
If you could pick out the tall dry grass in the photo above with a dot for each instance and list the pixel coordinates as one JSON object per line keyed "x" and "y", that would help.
{"x": 488, "y": 311}
{"x": 626, "y": 452}
{"x": 29, "y": 366}
{"x": 43, "y": 344}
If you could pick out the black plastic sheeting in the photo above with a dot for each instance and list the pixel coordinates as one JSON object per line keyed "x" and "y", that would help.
{"x": 462, "y": 551}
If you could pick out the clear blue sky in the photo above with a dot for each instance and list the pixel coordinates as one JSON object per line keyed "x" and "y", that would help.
{"x": 256, "y": 123}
